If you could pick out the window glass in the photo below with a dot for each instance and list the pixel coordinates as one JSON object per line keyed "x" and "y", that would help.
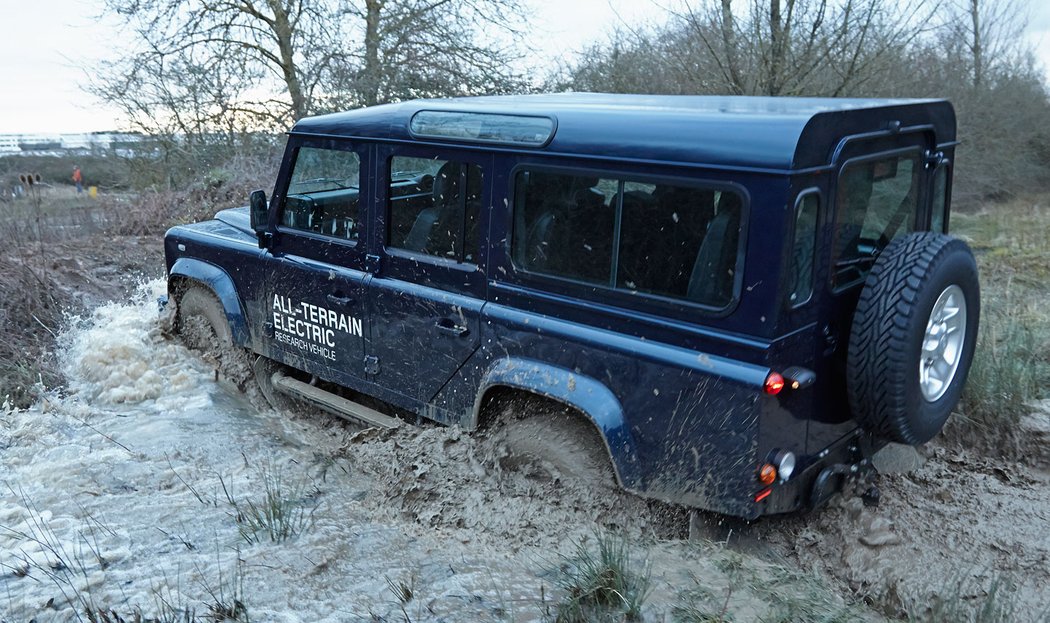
{"x": 323, "y": 194}
{"x": 939, "y": 202}
{"x": 877, "y": 201}
{"x": 434, "y": 207}
{"x": 664, "y": 239}
{"x": 800, "y": 277}
{"x": 565, "y": 225}
{"x": 483, "y": 127}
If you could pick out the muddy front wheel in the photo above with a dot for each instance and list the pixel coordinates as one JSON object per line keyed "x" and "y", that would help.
{"x": 201, "y": 322}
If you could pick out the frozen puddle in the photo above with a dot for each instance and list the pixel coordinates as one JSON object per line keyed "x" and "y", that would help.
{"x": 134, "y": 490}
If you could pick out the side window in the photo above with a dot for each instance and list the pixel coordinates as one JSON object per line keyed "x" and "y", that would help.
{"x": 939, "y": 200}
{"x": 323, "y": 195}
{"x": 669, "y": 240}
{"x": 800, "y": 277}
{"x": 565, "y": 225}
{"x": 877, "y": 201}
{"x": 434, "y": 207}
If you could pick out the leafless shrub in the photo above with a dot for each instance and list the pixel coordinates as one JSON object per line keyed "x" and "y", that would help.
{"x": 226, "y": 185}
{"x": 29, "y": 319}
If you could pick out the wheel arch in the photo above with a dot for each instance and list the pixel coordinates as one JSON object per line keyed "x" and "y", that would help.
{"x": 188, "y": 271}
{"x": 586, "y": 396}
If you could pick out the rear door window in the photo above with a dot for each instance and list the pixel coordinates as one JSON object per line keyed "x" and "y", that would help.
{"x": 435, "y": 207}
{"x": 800, "y": 276}
{"x": 671, "y": 240}
{"x": 877, "y": 201}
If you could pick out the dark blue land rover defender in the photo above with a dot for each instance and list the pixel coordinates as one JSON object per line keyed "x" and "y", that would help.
{"x": 724, "y": 302}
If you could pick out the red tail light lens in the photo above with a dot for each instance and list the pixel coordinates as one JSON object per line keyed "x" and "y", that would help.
{"x": 774, "y": 383}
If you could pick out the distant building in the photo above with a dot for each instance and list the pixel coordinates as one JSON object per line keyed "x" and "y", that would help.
{"x": 56, "y": 144}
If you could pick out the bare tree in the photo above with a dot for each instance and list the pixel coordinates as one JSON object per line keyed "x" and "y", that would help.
{"x": 426, "y": 48}
{"x": 989, "y": 31}
{"x": 968, "y": 51}
{"x": 791, "y": 47}
{"x": 774, "y": 47}
{"x": 282, "y": 49}
{"x": 226, "y": 65}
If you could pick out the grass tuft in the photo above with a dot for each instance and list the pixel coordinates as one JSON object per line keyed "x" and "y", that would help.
{"x": 280, "y": 514}
{"x": 1011, "y": 366}
{"x": 603, "y": 584}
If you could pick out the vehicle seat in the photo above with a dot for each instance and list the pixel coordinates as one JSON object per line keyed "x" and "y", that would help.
{"x": 689, "y": 212}
{"x": 546, "y": 236}
{"x": 445, "y": 194}
{"x": 640, "y": 242}
{"x": 589, "y": 234}
{"x": 712, "y": 279}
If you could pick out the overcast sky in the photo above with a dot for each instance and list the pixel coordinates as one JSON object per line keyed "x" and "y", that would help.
{"x": 44, "y": 44}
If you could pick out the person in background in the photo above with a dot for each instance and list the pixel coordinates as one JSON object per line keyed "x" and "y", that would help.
{"x": 78, "y": 179}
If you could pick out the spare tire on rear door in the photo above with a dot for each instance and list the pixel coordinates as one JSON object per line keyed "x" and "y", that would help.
{"x": 913, "y": 336}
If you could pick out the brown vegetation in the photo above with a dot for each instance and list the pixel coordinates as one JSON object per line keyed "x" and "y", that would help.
{"x": 30, "y": 318}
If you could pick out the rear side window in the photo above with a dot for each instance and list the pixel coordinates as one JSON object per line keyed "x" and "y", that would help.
{"x": 671, "y": 240}
{"x": 323, "y": 195}
{"x": 877, "y": 201}
{"x": 434, "y": 207}
{"x": 939, "y": 202}
{"x": 800, "y": 277}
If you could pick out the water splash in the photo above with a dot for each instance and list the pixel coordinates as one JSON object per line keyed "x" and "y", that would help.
{"x": 120, "y": 355}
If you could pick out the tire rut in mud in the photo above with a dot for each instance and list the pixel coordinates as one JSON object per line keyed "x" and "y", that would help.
{"x": 446, "y": 479}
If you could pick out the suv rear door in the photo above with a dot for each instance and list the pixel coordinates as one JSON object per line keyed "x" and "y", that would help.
{"x": 878, "y": 194}
{"x": 427, "y": 295}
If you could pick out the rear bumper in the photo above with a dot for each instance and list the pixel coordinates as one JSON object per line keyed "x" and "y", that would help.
{"x": 821, "y": 475}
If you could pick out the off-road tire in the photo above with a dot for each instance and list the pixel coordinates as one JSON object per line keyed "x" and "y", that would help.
{"x": 551, "y": 442}
{"x": 201, "y": 322}
{"x": 263, "y": 369}
{"x": 888, "y": 332}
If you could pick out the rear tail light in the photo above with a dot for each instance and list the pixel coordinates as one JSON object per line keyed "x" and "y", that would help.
{"x": 774, "y": 383}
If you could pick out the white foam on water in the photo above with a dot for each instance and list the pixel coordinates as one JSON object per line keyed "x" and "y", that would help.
{"x": 119, "y": 354}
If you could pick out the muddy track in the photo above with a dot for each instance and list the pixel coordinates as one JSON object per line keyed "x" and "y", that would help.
{"x": 145, "y": 437}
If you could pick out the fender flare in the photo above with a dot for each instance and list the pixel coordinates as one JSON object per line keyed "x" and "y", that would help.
{"x": 221, "y": 284}
{"x": 585, "y": 394}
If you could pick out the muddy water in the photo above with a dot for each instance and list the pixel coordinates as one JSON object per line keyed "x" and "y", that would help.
{"x": 129, "y": 489}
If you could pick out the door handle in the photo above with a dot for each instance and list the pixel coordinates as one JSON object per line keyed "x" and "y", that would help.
{"x": 449, "y": 326}
{"x": 339, "y": 300}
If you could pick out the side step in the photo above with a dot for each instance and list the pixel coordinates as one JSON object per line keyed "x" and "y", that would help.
{"x": 336, "y": 405}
